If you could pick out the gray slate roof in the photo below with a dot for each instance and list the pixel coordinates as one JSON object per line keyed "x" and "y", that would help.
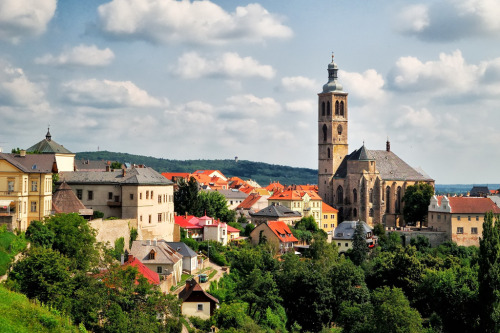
{"x": 164, "y": 253}
{"x": 135, "y": 176}
{"x": 31, "y": 163}
{"x": 182, "y": 248}
{"x": 388, "y": 164}
{"x": 346, "y": 229}
{"x": 49, "y": 146}
{"x": 88, "y": 165}
{"x": 276, "y": 211}
{"x": 233, "y": 194}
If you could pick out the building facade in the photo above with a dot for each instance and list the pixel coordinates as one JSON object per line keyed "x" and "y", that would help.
{"x": 367, "y": 184}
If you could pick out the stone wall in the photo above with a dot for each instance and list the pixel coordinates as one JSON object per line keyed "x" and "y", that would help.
{"x": 435, "y": 237}
{"x": 111, "y": 230}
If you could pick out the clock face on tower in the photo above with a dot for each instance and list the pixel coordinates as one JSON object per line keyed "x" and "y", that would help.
{"x": 339, "y": 129}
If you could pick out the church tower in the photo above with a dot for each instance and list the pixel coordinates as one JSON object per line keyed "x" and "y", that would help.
{"x": 332, "y": 132}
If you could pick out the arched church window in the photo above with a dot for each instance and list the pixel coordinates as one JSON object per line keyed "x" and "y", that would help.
{"x": 371, "y": 213}
{"x": 398, "y": 200}
{"x": 354, "y": 196}
{"x": 370, "y": 195}
{"x": 340, "y": 195}
{"x": 388, "y": 199}
{"x": 328, "y": 152}
{"x": 354, "y": 213}
{"x": 337, "y": 108}
{"x": 325, "y": 129}
{"x": 323, "y": 108}
{"x": 328, "y": 108}
{"x": 342, "y": 108}
{"x": 339, "y": 129}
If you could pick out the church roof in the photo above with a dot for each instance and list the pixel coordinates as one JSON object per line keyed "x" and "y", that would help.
{"x": 48, "y": 146}
{"x": 276, "y": 211}
{"x": 388, "y": 164}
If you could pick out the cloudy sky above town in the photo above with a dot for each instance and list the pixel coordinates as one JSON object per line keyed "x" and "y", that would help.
{"x": 219, "y": 79}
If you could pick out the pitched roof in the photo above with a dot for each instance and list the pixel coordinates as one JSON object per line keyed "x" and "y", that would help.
{"x": 233, "y": 194}
{"x": 64, "y": 200}
{"x": 49, "y": 146}
{"x": 89, "y": 165}
{"x": 192, "y": 287}
{"x": 388, "y": 164}
{"x": 31, "y": 163}
{"x": 273, "y": 187}
{"x": 135, "y": 176}
{"x": 183, "y": 222}
{"x": 282, "y": 231}
{"x": 152, "y": 277}
{"x": 276, "y": 211}
{"x": 346, "y": 229}
{"x": 231, "y": 229}
{"x": 171, "y": 175}
{"x": 249, "y": 201}
{"x": 471, "y": 205}
{"x": 182, "y": 248}
{"x": 479, "y": 190}
{"x": 294, "y": 195}
{"x": 328, "y": 209}
{"x": 164, "y": 253}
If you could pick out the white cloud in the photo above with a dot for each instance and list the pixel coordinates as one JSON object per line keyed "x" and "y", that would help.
{"x": 199, "y": 22}
{"x": 303, "y": 106}
{"x": 108, "y": 94}
{"x": 17, "y": 89}
{"x": 367, "y": 85}
{"x": 450, "y": 20}
{"x": 250, "y": 106}
{"x": 192, "y": 66}
{"x": 296, "y": 83}
{"x": 24, "y": 18}
{"x": 81, "y": 55}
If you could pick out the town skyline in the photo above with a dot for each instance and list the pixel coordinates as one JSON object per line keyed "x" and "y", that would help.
{"x": 215, "y": 80}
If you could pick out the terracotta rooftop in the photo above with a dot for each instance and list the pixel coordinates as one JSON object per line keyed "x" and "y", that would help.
{"x": 328, "y": 209}
{"x": 472, "y": 205}
{"x": 282, "y": 230}
{"x": 249, "y": 201}
{"x": 152, "y": 277}
{"x": 64, "y": 200}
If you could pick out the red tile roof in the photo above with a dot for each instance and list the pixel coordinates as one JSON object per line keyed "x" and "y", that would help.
{"x": 274, "y": 187}
{"x": 472, "y": 205}
{"x": 282, "y": 230}
{"x": 231, "y": 229}
{"x": 328, "y": 209}
{"x": 170, "y": 175}
{"x": 249, "y": 201}
{"x": 294, "y": 195}
{"x": 152, "y": 277}
{"x": 184, "y": 223}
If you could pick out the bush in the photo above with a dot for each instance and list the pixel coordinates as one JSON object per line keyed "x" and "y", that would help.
{"x": 98, "y": 215}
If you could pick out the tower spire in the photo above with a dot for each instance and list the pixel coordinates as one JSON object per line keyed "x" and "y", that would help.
{"x": 332, "y": 84}
{"x": 48, "y": 136}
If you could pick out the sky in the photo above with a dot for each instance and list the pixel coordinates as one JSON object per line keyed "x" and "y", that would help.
{"x": 220, "y": 79}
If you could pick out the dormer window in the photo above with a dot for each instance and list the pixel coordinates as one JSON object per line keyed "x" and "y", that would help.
{"x": 152, "y": 255}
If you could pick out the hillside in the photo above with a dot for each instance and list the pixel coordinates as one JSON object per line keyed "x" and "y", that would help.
{"x": 263, "y": 173}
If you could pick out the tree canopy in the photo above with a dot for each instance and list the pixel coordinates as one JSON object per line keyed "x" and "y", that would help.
{"x": 416, "y": 202}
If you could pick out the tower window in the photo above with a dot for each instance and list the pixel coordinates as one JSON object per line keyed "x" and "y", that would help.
{"x": 354, "y": 196}
{"x": 342, "y": 108}
{"x": 371, "y": 212}
{"x": 371, "y": 195}
{"x": 328, "y": 152}
{"x": 323, "y": 108}
{"x": 339, "y": 129}
{"x": 324, "y": 132}
{"x": 355, "y": 213}
{"x": 328, "y": 108}
{"x": 337, "y": 108}
{"x": 340, "y": 195}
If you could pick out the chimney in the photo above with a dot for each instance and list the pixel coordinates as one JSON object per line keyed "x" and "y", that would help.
{"x": 388, "y": 145}
{"x": 124, "y": 172}
{"x": 155, "y": 242}
{"x": 22, "y": 153}
{"x": 108, "y": 168}
{"x": 148, "y": 242}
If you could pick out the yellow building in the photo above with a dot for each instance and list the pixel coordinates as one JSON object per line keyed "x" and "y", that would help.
{"x": 25, "y": 188}
{"x": 307, "y": 203}
{"x": 329, "y": 218}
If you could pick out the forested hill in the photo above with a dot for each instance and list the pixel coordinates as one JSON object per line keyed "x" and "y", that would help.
{"x": 262, "y": 173}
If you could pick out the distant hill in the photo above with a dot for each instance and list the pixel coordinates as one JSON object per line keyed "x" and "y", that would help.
{"x": 262, "y": 173}
{"x": 461, "y": 188}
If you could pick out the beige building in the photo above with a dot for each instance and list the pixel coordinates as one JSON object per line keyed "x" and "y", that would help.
{"x": 274, "y": 232}
{"x": 138, "y": 193}
{"x": 367, "y": 184}
{"x": 460, "y": 217}
{"x": 25, "y": 188}
{"x": 196, "y": 302}
{"x": 306, "y": 202}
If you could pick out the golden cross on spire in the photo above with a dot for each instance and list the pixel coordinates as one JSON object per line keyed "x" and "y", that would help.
{"x": 333, "y": 56}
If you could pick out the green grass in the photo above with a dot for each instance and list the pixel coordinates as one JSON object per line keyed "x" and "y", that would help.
{"x": 182, "y": 282}
{"x": 212, "y": 274}
{"x": 19, "y": 315}
{"x": 10, "y": 245}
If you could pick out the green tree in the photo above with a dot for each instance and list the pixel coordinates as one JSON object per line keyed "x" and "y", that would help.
{"x": 74, "y": 238}
{"x": 307, "y": 223}
{"x": 392, "y": 312}
{"x": 489, "y": 274}
{"x": 116, "y": 165}
{"x": 43, "y": 274}
{"x": 214, "y": 204}
{"x": 40, "y": 235}
{"x": 359, "y": 246}
{"x": 417, "y": 198}
{"x": 186, "y": 197}
{"x": 260, "y": 292}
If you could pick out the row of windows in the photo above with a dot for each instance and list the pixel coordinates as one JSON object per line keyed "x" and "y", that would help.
{"x": 90, "y": 196}
{"x": 11, "y": 184}
{"x": 160, "y": 217}
{"x": 332, "y": 216}
{"x": 325, "y": 225}
{"x": 459, "y": 218}
{"x": 325, "y": 134}
{"x": 339, "y": 108}
{"x": 473, "y": 230}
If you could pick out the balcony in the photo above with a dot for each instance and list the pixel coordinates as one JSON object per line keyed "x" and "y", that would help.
{"x": 114, "y": 203}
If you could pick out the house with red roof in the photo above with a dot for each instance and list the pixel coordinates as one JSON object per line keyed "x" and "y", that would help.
{"x": 204, "y": 228}
{"x": 152, "y": 277}
{"x": 274, "y": 232}
{"x": 176, "y": 176}
{"x": 306, "y": 202}
{"x": 275, "y": 187}
{"x": 461, "y": 218}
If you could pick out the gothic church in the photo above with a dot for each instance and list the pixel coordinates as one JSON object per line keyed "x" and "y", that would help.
{"x": 366, "y": 185}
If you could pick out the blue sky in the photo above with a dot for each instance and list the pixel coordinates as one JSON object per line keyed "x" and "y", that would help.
{"x": 219, "y": 79}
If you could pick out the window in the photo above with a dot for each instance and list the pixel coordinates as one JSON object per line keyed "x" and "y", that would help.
{"x": 325, "y": 129}
{"x": 458, "y": 218}
{"x": 328, "y": 108}
{"x": 388, "y": 199}
{"x": 331, "y": 225}
{"x": 439, "y": 216}
{"x": 325, "y": 216}
{"x": 355, "y": 212}
{"x": 200, "y": 307}
{"x": 473, "y": 231}
{"x": 460, "y": 230}
{"x": 152, "y": 255}
{"x": 338, "y": 244}
{"x": 90, "y": 195}
{"x": 354, "y": 196}
{"x": 339, "y": 129}
{"x": 328, "y": 152}
{"x": 10, "y": 186}
{"x": 332, "y": 217}
{"x": 140, "y": 195}
{"x": 149, "y": 218}
{"x": 477, "y": 218}
{"x": 34, "y": 186}
{"x": 79, "y": 194}
{"x": 468, "y": 217}
{"x": 342, "y": 108}
{"x": 337, "y": 108}
{"x": 131, "y": 196}
{"x": 346, "y": 244}
{"x": 151, "y": 195}
{"x": 323, "y": 108}
{"x": 24, "y": 206}
{"x": 159, "y": 269}
{"x": 159, "y": 217}
{"x": 370, "y": 195}
{"x": 110, "y": 195}
{"x": 371, "y": 213}
{"x": 340, "y": 195}
{"x": 398, "y": 200}
{"x": 159, "y": 199}
{"x": 325, "y": 226}
{"x": 33, "y": 206}
{"x": 147, "y": 195}
{"x": 140, "y": 218}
